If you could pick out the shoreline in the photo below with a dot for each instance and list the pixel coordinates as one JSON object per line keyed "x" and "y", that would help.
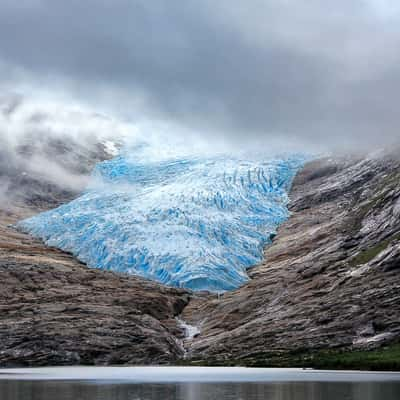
{"x": 173, "y": 374}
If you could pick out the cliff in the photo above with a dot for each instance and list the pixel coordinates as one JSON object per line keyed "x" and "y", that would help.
{"x": 56, "y": 311}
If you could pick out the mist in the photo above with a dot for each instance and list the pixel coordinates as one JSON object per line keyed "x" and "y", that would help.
{"x": 50, "y": 149}
{"x": 194, "y": 78}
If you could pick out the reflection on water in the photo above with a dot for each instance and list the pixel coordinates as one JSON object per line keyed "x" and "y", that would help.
{"x": 72, "y": 390}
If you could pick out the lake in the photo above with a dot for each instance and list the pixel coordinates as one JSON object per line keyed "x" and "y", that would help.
{"x": 193, "y": 383}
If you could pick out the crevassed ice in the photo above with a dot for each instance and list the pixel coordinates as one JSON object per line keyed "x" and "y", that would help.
{"x": 193, "y": 222}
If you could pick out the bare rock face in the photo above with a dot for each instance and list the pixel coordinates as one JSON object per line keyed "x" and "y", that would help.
{"x": 331, "y": 279}
{"x": 53, "y": 309}
{"x": 44, "y": 171}
{"x": 62, "y": 313}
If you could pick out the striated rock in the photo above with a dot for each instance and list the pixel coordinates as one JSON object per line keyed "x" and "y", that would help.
{"x": 69, "y": 314}
{"x": 56, "y": 311}
{"x": 331, "y": 278}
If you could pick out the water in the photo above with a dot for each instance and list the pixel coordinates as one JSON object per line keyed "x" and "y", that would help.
{"x": 31, "y": 390}
{"x": 184, "y": 219}
{"x": 196, "y": 384}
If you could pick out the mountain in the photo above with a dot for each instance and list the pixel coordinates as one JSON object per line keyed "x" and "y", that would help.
{"x": 327, "y": 290}
{"x": 330, "y": 281}
{"x": 56, "y": 311}
{"x": 48, "y": 171}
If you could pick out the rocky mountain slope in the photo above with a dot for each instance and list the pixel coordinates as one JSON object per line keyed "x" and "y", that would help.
{"x": 331, "y": 281}
{"x": 47, "y": 172}
{"x": 53, "y": 309}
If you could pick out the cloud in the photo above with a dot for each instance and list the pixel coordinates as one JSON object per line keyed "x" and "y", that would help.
{"x": 48, "y": 150}
{"x": 304, "y": 71}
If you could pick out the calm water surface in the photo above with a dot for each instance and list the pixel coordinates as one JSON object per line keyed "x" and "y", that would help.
{"x": 106, "y": 384}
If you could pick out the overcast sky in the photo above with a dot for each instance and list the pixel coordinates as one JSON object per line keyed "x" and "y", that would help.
{"x": 308, "y": 71}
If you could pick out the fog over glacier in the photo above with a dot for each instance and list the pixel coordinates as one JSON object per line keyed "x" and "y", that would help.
{"x": 187, "y": 213}
{"x": 174, "y": 213}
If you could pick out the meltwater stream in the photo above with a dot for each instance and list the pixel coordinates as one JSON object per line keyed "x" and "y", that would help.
{"x": 186, "y": 220}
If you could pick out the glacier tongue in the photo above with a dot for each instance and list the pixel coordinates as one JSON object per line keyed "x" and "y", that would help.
{"x": 195, "y": 222}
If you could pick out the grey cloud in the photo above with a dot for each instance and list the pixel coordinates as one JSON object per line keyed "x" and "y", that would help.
{"x": 306, "y": 71}
{"x": 48, "y": 150}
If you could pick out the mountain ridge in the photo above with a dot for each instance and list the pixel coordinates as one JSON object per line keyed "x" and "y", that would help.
{"x": 330, "y": 280}
{"x": 330, "y": 283}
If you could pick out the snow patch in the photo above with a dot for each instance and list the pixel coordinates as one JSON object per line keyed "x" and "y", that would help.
{"x": 111, "y": 148}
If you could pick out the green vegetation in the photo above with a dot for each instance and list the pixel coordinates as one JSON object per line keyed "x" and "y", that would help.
{"x": 383, "y": 359}
{"x": 369, "y": 254}
{"x": 386, "y": 358}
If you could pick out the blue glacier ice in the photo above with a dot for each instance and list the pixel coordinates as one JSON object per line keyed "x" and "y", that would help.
{"x": 190, "y": 221}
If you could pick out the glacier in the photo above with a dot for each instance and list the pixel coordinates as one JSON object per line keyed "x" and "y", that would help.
{"x": 195, "y": 221}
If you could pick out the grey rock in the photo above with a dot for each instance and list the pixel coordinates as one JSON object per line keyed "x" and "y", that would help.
{"x": 56, "y": 311}
{"x": 331, "y": 277}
